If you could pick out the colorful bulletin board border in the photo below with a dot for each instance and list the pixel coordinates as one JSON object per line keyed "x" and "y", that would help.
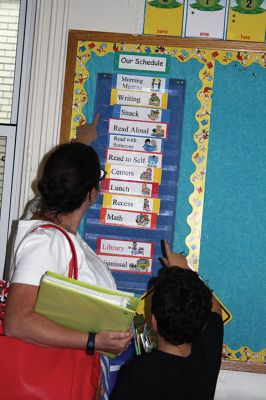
{"x": 83, "y": 44}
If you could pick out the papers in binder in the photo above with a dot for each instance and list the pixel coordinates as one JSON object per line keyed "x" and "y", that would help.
{"x": 84, "y": 307}
{"x": 117, "y": 299}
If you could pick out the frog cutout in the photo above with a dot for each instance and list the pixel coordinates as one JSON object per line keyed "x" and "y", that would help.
{"x": 207, "y": 5}
{"x": 164, "y": 3}
{"x": 249, "y": 7}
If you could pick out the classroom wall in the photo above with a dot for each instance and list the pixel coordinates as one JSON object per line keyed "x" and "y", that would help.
{"x": 53, "y": 21}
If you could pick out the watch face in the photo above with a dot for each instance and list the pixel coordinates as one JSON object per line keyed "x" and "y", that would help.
{"x": 207, "y": 3}
{"x": 248, "y": 5}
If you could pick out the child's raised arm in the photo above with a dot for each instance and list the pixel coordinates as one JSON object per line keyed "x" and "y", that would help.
{"x": 171, "y": 259}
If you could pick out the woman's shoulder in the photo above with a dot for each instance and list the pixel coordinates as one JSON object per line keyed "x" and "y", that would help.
{"x": 34, "y": 232}
{"x": 37, "y": 250}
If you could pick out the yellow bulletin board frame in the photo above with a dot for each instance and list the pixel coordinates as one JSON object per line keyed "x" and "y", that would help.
{"x": 203, "y": 51}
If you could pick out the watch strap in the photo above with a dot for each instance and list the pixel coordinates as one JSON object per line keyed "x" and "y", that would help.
{"x": 90, "y": 344}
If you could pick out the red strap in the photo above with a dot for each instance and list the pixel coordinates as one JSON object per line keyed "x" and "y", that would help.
{"x": 73, "y": 265}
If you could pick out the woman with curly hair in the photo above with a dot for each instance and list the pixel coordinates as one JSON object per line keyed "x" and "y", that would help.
{"x": 69, "y": 185}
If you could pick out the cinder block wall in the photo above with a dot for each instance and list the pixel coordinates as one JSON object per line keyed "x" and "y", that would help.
{"x": 9, "y": 15}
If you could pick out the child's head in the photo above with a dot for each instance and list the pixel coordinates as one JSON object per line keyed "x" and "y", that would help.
{"x": 181, "y": 305}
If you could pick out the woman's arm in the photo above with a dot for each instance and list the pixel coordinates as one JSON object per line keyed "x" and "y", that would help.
{"x": 87, "y": 133}
{"x": 23, "y": 323}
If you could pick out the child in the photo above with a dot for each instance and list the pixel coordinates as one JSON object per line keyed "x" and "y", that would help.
{"x": 187, "y": 319}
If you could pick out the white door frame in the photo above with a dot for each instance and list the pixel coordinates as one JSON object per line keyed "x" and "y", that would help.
{"x": 15, "y": 132}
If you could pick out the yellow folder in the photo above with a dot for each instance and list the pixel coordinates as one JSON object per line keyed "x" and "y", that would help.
{"x": 84, "y": 307}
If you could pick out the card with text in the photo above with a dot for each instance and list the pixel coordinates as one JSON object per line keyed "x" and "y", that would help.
{"x": 135, "y": 143}
{"x": 136, "y": 158}
{"x": 125, "y": 247}
{"x": 142, "y": 62}
{"x": 131, "y": 203}
{"x": 141, "y": 128}
{"x": 141, "y": 113}
{"x": 247, "y": 20}
{"x": 127, "y": 264}
{"x": 138, "y": 98}
{"x": 128, "y": 218}
{"x": 138, "y": 82}
{"x": 163, "y": 17}
{"x": 132, "y": 173}
{"x": 130, "y": 187}
{"x": 206, "y": 18}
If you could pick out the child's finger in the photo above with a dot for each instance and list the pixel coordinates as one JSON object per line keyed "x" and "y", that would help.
{"x": 167, "y": 247}
{"x": 96, "y": 120}
{"x": 165, "y": 262}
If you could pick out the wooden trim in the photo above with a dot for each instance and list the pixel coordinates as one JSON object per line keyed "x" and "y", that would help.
{"x": 68, "y": 87}
{"x": 169, "y": 41}
{"x": 243, "y": 367}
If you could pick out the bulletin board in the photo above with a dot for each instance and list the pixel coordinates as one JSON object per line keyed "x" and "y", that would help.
{"x": 182, "y": 139}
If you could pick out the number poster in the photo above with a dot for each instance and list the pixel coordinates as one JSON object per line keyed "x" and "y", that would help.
{"x": 205, "y": 18}
{"x": 243, "y": 20}
{"x": 247, "y": 20}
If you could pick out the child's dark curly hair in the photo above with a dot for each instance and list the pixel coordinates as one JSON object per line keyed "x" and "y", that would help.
{"x": 70, "y": 173}
{"x": 181, "y": 304}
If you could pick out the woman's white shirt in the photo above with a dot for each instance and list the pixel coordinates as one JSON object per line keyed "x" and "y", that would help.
{"x": 48, "y": 249}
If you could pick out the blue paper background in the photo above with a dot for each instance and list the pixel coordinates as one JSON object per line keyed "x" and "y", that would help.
{"x": 232, "y": 254}
{"x": 233, "y": 239}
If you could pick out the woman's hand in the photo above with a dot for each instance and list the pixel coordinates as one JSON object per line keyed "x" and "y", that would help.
{"x": 87, "y": 133}
{"x": 113, "y": 342}
{"x": 174, "y": 259}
